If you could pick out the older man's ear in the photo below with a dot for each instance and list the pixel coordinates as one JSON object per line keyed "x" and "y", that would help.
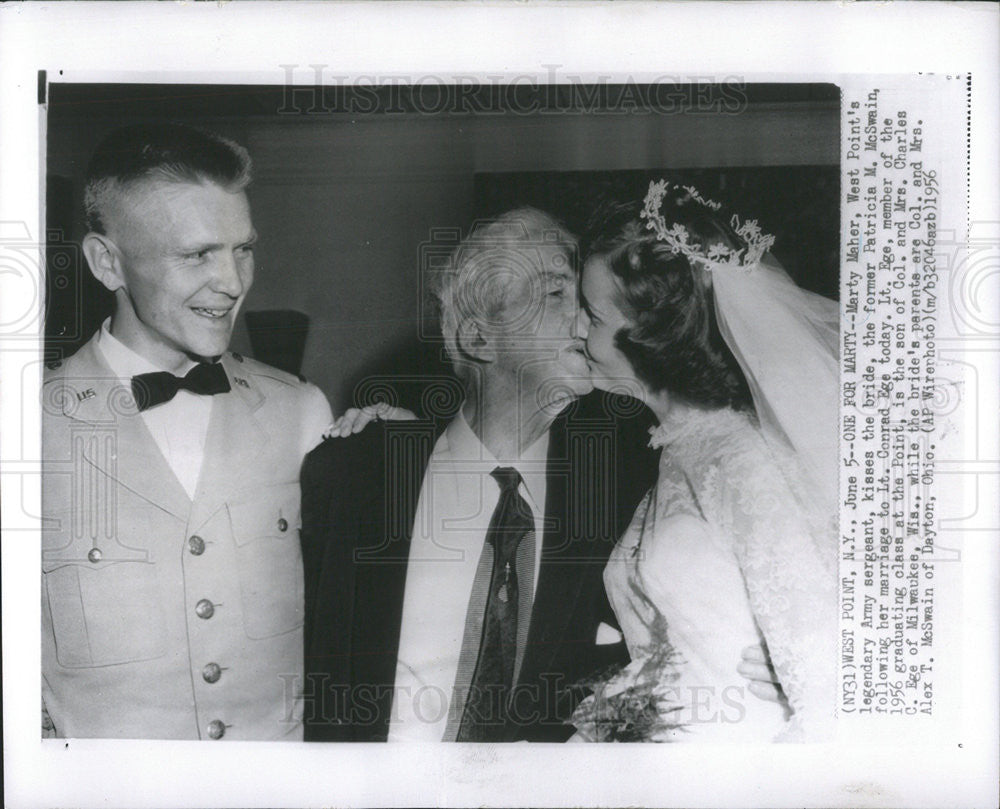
{"x": 473, "y": 342}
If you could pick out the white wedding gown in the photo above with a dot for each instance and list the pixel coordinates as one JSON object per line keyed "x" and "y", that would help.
{"x": 722, "y": 554}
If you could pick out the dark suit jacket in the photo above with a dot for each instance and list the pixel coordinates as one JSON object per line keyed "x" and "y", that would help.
{"x": 359, "y": 499}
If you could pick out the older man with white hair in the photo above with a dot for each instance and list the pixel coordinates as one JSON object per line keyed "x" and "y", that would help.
{"x": 454, "y": 580}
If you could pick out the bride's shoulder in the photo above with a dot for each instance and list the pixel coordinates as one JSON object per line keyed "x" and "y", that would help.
{"x": 746, "y": 446}
{"x": 736, "y": 461}
{"x": 731, "y": 440}
{"x": 711, "y": 449}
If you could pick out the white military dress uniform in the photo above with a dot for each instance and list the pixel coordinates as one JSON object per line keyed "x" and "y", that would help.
{"x": 167, "y": 612}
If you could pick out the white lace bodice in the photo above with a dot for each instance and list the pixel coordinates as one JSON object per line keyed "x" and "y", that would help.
{"x": 728, "y": 551}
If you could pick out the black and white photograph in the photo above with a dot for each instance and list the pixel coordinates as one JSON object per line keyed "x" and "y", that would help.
{"x": 380, "y": 406}
{"x": 569, "y": 356}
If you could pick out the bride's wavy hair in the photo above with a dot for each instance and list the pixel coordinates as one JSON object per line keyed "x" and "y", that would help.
{"x": 673, "y": 342}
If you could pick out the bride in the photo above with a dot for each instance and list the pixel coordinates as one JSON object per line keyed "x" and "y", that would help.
{"x": 736, "y": 544}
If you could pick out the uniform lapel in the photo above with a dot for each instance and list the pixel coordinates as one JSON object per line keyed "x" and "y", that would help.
{"x": 235, "y": 440}
{"x": 115, "y": 440}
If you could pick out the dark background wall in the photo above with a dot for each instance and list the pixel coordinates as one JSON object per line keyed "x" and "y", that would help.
{"x": 350, "y": 200}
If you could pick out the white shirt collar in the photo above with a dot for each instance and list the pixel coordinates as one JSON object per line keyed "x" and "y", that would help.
{"x": 464, "y": 447}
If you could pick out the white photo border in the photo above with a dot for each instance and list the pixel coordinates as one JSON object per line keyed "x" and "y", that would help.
{"x": 225, "y": 43}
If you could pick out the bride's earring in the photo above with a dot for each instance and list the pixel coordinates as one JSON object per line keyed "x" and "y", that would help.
{"x": 703, "y": 276}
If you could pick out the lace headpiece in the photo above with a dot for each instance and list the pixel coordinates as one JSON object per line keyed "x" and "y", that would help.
{"x": 715, "y": 256}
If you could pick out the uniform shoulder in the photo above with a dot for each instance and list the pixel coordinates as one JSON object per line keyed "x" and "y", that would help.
{"x": 85, "y": 360}
{"x": 58, "y": 370}
{"x": 55, "y": 391}
{"x": 53, "y": 371}
{"x": 248, "y": 365}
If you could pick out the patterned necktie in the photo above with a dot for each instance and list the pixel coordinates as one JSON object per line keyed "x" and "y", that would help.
{"x": 158, "y": 387}
{"x": 485, "y": 716}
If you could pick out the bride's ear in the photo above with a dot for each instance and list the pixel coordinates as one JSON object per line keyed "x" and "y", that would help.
{"x": 702, "y": 277}
{"x": 473, "y": 342}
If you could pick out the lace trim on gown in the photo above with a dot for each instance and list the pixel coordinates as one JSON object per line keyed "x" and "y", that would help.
{"x": 717, "y": 464}
{"x": 786, "y": 549}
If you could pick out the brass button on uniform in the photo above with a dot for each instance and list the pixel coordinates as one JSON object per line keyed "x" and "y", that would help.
{"x": 95, "y": 555}
{"x": 216, "y": 730}
{"x": 282, "y": 524}
{"x": 196, "y": 545}
{"x": 211, "y": 673}
{"x": 204, "y": 609}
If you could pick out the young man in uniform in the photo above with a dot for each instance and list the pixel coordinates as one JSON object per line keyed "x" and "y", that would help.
{"x": 172, "y": 588}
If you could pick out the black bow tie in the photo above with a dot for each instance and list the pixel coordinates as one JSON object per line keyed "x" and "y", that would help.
{"x": 158, "y": 387}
